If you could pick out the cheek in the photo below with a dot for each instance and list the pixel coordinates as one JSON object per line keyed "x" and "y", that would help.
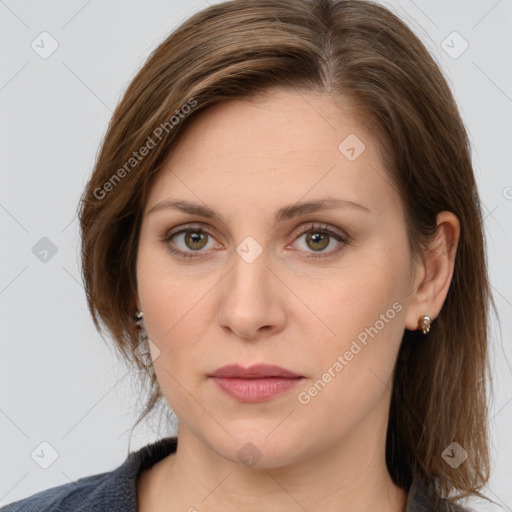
{"x": 354, "y": 370}
{"x": 363, "y": 308}
{"x": 176, "y": 322}
{"x": 176, "y": 318}
{"x": 174, "y": 307}
{"x": 364, "y": 300}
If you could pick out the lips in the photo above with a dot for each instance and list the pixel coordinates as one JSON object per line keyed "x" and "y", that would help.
{"x": 258, "y": 371}
{"x": 258, "y": 383}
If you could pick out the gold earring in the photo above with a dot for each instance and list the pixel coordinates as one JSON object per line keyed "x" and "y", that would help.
{"x": 424, "y": 323}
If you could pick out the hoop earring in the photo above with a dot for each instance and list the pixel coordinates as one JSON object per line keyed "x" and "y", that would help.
{"x": 424, "y": 323}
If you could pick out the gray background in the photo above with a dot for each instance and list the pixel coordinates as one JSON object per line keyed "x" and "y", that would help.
{"x": 59, "y": 382}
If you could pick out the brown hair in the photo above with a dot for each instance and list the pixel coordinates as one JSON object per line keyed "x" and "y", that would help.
{"x": 360, "y": 52}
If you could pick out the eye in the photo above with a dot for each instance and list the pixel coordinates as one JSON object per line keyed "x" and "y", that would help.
{"x": 188, "y": 240}
{"x": 319, "y": 237}
{"x": 192, "y": 241}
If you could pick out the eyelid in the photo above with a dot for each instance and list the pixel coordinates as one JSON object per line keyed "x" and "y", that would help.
{"x": 188, "y": 227}
{"x": 321, "y": 226}
{"x": 300, "y": 230}
{"x": 183, "y": 228}
{"x": 340, "y": 236}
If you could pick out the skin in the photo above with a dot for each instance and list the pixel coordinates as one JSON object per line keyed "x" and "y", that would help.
{"x": 245, "y": 161}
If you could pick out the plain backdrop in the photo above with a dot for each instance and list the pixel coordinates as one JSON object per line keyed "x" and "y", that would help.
{"x": 62, "y": 390}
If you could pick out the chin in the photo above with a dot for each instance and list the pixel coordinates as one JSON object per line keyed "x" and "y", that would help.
{"x": 258, "y": 446}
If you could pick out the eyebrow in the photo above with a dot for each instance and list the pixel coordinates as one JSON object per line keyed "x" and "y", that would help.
{"x": 285, "y": 213}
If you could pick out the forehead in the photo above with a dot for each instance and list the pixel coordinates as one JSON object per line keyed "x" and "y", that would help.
{"x": 282, "y": 142}
{"x": 277, "y": 124}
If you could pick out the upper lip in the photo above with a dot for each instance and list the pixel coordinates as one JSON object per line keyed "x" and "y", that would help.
{"x": 257, "y": 371}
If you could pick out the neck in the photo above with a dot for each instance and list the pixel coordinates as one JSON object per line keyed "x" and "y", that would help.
{"x": 352, "y": 477}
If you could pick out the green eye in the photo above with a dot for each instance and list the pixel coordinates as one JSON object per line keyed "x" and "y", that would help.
{"x": 317, "y": 238}
{"x": 189, "y": 241}
{"x": 195, "y": 239}
{"x": 320, "y": 240}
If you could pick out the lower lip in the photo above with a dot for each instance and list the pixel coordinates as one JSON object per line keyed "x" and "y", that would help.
{"x": 255, "y": 390}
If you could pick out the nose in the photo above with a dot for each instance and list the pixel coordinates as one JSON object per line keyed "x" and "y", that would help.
{"x": 252, "y": 304}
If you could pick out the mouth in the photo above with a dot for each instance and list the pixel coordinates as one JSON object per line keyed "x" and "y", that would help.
{"x": 257, "y": 371}
{"x": 257, "y": 383}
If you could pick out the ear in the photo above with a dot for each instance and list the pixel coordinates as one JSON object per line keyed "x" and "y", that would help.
{"x": 434, "y": 271}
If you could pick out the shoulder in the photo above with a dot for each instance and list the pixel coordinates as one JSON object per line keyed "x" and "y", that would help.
{"x": 112, "y": 490}
{"x": 63, "y": 498}
{"x": 422, "y": 499}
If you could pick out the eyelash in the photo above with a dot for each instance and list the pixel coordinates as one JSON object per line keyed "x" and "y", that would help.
{"x": 315, "y": 228}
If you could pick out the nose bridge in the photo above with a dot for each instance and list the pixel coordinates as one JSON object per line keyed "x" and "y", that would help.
{"x": 249, "y": 299}
{"x": 249, "y": 279}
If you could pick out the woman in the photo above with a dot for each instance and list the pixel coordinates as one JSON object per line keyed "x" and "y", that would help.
{"x": 282, "y": 231}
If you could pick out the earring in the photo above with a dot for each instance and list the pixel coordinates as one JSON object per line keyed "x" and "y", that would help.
{"x": 424, "y": 323}
{"x": 142, "y": 351}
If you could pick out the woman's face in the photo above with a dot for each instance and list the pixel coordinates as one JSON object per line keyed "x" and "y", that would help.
{"x": 321, "y": 292}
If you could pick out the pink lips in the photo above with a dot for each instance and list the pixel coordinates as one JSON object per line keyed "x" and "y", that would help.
{"x": 257, "y": 383}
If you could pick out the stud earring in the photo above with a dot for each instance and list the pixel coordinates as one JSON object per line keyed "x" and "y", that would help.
{"x": 424, "y": 323}
{"x": 138, "y": 316}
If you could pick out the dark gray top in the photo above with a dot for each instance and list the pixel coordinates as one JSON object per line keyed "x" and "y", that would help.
{"x": 117, "y": 490}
